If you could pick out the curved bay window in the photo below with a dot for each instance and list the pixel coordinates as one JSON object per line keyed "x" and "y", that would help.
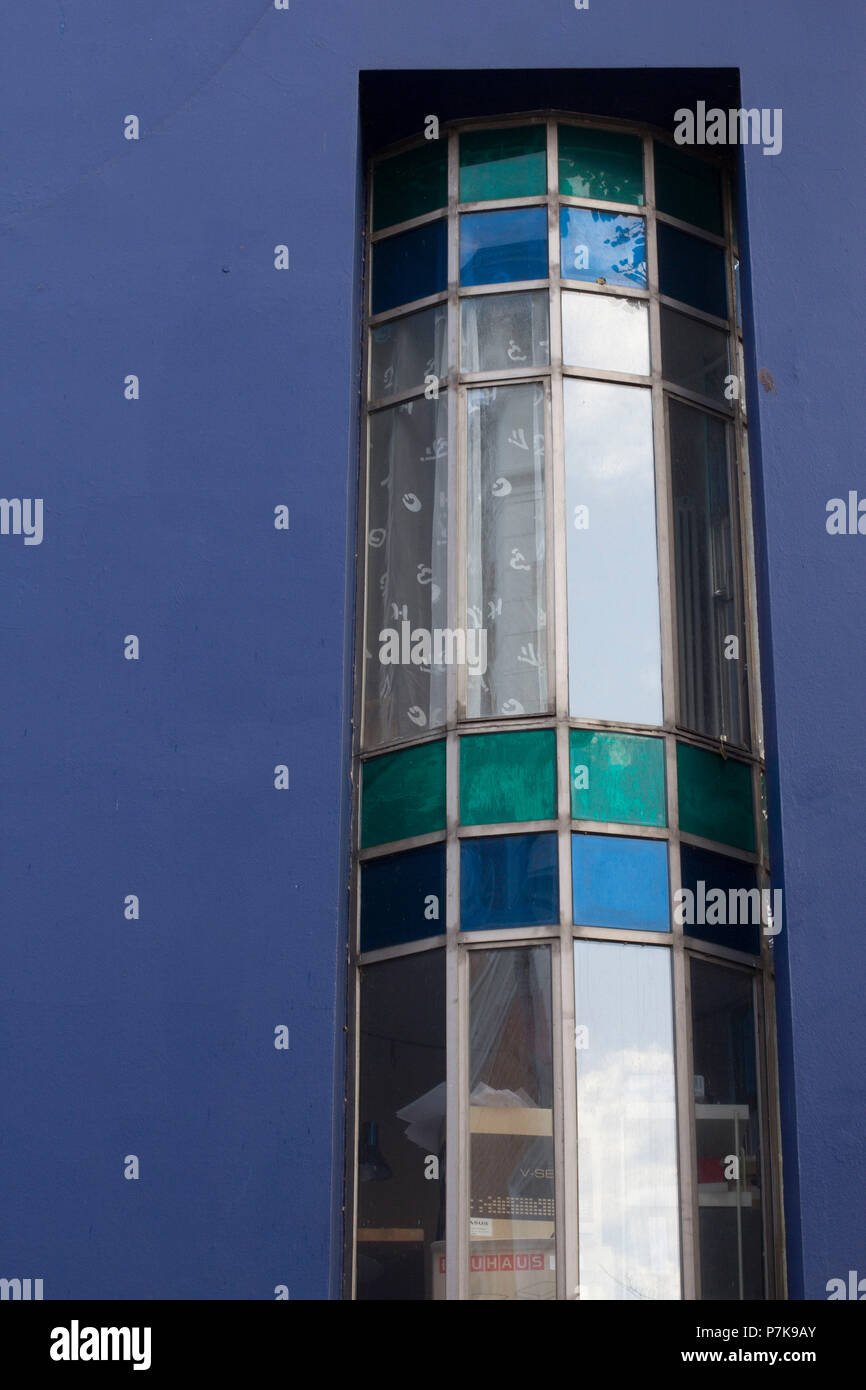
{"x": 563, "y": 1074}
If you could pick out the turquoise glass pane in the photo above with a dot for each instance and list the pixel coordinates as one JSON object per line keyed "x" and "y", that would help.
{"x": 617, "y": 777}
{"x": 403, "y": 897}
{"x": 620, "y": 883}
{"x": 600, "y": 164}
{"x": 607, "y": 246}
{"x": 403, "y": 794}
{"x": 715, "y": 797}
{"x": 692, "y": 270}
{"x": 410, "y": 184}
{"x": 688, "y": 188}
{"x": 503, "y": 163}
{"x": 723, "y": 903}
{"x": 509, "y": 881}
{"x": 497, "y": 247}
{"x": 410, "y": 265}
{"x": 508, "y": 777}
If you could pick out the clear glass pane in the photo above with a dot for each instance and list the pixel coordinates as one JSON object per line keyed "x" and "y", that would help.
{"x": 511, "y": 1203}
{"x": 501, "y": 332}
{"x": 407, "y": 538}
{"x": 605, "y": 333}
{"x": 401, "y": 1112}
{"x": 712, "y": 647}
{"x": 730, "y": 1185}
{"x": 405, "y": 351}
{"x": 410, "y": 266}
{"x": 688, "y": 188}
{"x": 628, "y": 1201}
{"x": 509, "y": 881}
{"x": 403, "y": 897}
{"x": 410, "y": 184}
{"x": 600, "y": 164}
{"x": 620, "y": 882}
{"x": 496, "y": 247}
{"x": 694, "y": 354}
{"x": 692, "y": 270}
{"x": 506, "y": 163}
{"x": 602, "y": 246}
{"x": 614, "y": 653}
{"x": 506, "y": 579}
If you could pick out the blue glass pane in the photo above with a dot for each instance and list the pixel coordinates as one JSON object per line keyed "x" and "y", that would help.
{"x": 509, "y": 881}
{"x": 734, "y": 919}
{"x": 403, "y": 897}
{"x": 692, "y": 270}
{"x": 620, "y": 883}
{"x": 496, "y": 247}
{"x": 410, "y": 265}
{"x": 605, "y": 246}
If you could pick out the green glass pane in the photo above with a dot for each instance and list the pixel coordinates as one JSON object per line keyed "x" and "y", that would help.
{"x": 410, "y": 184}
{"x": 688, "y": 188}
{"x": 600, "y": 164}
{"x": 503, "y": 163}
{"x": 403, "y": 794}
{"x": 617, "y": 777}
{"x": 507, "y": 777}
{"x": 715, "y": 797}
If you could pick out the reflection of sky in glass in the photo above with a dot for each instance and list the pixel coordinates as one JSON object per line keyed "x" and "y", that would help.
{"x": 626, "y": 1118}
{"x": 607, "y": 332}
{"x": 614, "y": 654}
{"x": 606, "y": 245}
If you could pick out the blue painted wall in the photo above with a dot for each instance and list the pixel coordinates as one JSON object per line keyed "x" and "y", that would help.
{"x": 156, "y": 777}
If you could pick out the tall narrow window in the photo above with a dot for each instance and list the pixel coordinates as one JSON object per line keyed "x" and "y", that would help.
{"x": 506, "y": 587}
{"x": 561, "y": 948}
{"x": 711, "y": 640}
{"x": 512, "y": 1208}
{"x": 727, "y": 1133}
